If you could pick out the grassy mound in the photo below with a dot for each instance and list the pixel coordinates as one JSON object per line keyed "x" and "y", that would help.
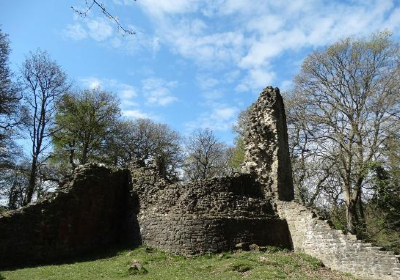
{"x": 149, "y": 263}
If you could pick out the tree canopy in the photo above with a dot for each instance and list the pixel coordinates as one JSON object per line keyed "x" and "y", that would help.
{"x": 345, "y": 107}
{"x": 83, "y": 122}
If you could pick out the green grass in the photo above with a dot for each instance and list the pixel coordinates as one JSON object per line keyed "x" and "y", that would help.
{"x": 272, "y": 264}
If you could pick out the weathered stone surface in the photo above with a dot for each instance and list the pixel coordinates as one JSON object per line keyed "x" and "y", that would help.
{"x": 88, "y": 212}
{"x": 336, "y": 250}
{"x": 266, "y": 145}
{"x": 209, "y": 216}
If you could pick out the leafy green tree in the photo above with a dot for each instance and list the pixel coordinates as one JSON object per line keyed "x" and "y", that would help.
{"x": 383, "y": 206}
{"x": 142, "y": 141}
{"x": 236, "y": 155}
{"x": 84, "y": 121}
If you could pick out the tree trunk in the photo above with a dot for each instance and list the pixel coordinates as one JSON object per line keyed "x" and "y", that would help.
{"x": 362, "y": 222}
{"x": 72, "y": 155}
{"x": 32, "y": 182}
{"x": 351, "y": 216}
{"x": 84, "y": 153}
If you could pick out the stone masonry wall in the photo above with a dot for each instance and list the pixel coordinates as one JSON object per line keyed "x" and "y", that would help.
{"x": 188, "y": 235}
{"x": 209, "y": 216}
{"x": 86, "y": 213}
{"x": 266, "y": 145}
{"x": 336, "y": 250}
{"x": 99, "y": 206}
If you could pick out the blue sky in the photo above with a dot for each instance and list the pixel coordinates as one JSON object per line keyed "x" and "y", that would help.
{"x": 192, "y": 64}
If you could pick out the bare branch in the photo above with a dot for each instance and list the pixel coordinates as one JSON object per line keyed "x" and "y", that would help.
{"x": 101, "y": 6}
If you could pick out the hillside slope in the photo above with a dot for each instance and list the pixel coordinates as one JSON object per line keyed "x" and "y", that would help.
{"x": 270, "y": 264}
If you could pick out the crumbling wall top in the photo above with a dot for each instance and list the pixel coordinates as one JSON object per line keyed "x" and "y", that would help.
{"x": 266, "y": 145}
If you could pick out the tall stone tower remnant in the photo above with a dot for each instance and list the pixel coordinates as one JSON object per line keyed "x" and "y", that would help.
{"x": 266, "y": 145}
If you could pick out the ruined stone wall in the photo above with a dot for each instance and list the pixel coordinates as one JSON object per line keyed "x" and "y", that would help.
{"x": 208, "y": 216}
{"x": 99, "y": 206}
{"x": 266, "y": 145}
{"x": 336, "y": 250}
{"x": 88, "y": 212}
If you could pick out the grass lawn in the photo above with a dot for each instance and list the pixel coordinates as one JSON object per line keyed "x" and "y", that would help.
{"x": 271, "y": 264}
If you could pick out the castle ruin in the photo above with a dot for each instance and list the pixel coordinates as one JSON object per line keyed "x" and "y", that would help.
{"x": 99, "y": 206}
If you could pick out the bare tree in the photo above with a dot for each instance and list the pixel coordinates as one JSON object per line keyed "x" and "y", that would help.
{"x": 44, "y": 83}
{"x": 312, "y": 174}
{"x": 347, "y": 98}
{"x": 206, "y": 156}
{"x": 13, "y": 184}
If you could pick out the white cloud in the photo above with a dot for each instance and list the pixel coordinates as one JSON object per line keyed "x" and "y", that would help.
{"x": 103, "y": 30}
{"x": 131, "y": 44}
{"x": 213, "y": 95}
{"x": 250, "y": 37}
{"x": 286, "y": 85}
{"x": 159, "y": 8}
{"x": 206, "y": 82}
{"x": 135, "y": 114}
{"x": 207, "y": 50}
{"x": 232, "y": 76}
{"x": 75, "y": 32}
{"x": 99, "y": 29}
{"x": 91, "y": 82}
{"x": 158, "y": 91}
{"x": 126, "y": 93}
{"x": 221, "y": 118}
{"x": 256, "y": 79}
{"x": 226, "y": 113}
{"x": 394, "y": 20}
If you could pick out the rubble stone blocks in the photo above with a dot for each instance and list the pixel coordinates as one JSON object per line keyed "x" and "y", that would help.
{"x": 266, "y": 145}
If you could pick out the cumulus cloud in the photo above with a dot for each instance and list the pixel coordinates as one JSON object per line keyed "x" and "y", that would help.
{"x": 250, "y": 37}
{"x": 158, "y": 91}
{"x": 136, "y": 114}
{"x": 102, "y": 30}
{"x": 91, "y": 82}
{"x": 256, "y": 79}
{"x": 126, "y": 93}
{"x": 206, "y": 82}
{"x": 75, "y": 32}
{"x": 160, "y": 8}
{"x": 220, "y": 118}
{"x": 99, "y": 29}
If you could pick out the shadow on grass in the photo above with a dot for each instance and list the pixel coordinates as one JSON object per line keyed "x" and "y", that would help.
{"x": 1, "y": 277}
{"x": 101, "y": 253}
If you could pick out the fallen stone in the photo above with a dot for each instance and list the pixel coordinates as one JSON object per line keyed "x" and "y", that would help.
{"x": 245, "y": 246}
{"x": 254, "y": 247}
{"x": 136, "y": 267}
